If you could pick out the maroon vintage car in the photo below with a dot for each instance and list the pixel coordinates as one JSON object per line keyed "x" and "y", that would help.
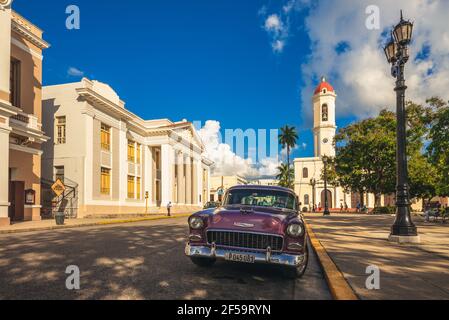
{"x": 255, "y": 224}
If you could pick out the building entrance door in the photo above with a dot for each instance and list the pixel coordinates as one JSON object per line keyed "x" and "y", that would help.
{"x": 17, "y": 200}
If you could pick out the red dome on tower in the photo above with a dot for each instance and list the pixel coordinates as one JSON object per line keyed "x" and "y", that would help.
{"x": 324, "y": 85}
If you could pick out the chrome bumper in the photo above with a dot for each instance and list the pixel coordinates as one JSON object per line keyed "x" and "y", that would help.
{"x": 260, "y": 257}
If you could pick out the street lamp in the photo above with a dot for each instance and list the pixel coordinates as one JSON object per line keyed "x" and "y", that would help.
{"x": 397, "y": 53}
{"x": 313, "y": 184}
{"x": 326, "y": 200}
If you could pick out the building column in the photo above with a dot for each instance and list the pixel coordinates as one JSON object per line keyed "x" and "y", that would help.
{"x": 4, "y": 176}
{"x": 188, "y": 180}
{"x": 166, "y": 165}
{"x": 6, "y": 110}
{"x": 181, "y": 192}
{"x": 5, "y": 51}
{"x": 195, "y": 196}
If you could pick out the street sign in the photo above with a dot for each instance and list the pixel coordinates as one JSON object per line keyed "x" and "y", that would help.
{"x": 58, "y": 187}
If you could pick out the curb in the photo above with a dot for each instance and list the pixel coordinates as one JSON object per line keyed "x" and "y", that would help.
{"x": 93, "y": 224}
{"x": 338, "y": 286}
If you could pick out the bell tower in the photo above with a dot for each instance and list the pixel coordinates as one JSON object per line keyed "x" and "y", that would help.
{"x": 324, "y": 125}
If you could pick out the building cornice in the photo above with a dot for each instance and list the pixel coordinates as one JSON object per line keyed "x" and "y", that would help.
{"x": 21, "y": 28}
{"x": 8, "y": 110}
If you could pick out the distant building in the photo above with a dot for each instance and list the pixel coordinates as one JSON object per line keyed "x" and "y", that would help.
{"x": 265, "y": 182}
{"x": 219, "y": 185}
{"x": 113, "y": 160}
{"x": 308, "y": 183}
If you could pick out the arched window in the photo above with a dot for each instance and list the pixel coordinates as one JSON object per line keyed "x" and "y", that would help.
{"x": 306, "y": 200}
{"x": 325, "y": 112}
{"x": 305, "y": 173}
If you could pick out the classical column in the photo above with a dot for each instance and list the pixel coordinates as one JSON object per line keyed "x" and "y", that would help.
{"x": 181, "y": 192}
{"x": 5, "y": 49}
{"x": 188, "y": 180}
{"x": 195, "y": 197}
{"x": 166, "y": 165}
{"x": 4, "y": 176}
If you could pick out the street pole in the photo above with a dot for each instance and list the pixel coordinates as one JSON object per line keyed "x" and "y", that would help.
{"x": 403, "y": 229}
{"x": 403, "y": 225}
{"x": 326, "y": 200}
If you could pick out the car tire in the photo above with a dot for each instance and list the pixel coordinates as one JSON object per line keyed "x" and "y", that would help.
{"x": 203, "y": 262}
{"x": 298, "y": 272}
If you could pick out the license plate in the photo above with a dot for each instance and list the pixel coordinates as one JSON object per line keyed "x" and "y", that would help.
{"x": 238, "y": 257}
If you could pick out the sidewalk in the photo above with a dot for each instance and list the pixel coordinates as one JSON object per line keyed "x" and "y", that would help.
{"x": 355, "y": 242}
{"x": 31, "y": 226}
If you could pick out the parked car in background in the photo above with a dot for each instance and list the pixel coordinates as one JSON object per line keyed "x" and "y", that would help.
{"x": 211, "y": 204}
{"x": 255, "y": 224}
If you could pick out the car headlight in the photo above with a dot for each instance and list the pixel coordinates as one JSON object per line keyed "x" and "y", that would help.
{"x": 295, "y": 230}
{"x": 196, "y": 223}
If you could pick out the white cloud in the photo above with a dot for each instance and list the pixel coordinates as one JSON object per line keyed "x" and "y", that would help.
{"x": 74, "y": 72}
{"x": 274, "y": 24}
{"x": 229, "y": 163}
{"x": 277, "y": 25}
{"x": 361, "y": 75}
{"x": 278, "y": 45}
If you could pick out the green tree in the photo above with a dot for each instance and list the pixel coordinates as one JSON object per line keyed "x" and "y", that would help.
{"x": 285, "y": 176}
{"x": 365, "y": 160}
{"x": 366, "y": 153}
{"x": 438, "y": 149}
{"x": 287, "y": 139}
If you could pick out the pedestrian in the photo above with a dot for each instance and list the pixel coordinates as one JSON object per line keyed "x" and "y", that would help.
{"x": 341, "y": 207}
{"x": 358, "y": 207}
{"x": 346, "y": 207}
{"x": 169, "y": 206}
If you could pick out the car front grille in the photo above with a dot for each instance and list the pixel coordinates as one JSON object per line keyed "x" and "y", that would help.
{"x": 245, "y": 240}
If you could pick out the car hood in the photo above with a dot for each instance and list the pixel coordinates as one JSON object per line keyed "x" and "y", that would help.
{"x": 263, "y": 220}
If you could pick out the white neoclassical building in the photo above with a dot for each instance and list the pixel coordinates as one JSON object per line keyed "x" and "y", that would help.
{"x": 112, "y": 161}
{"x": 308, "y": 170}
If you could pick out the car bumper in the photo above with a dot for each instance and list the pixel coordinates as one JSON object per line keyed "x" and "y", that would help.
{"x": 259, "y": 257}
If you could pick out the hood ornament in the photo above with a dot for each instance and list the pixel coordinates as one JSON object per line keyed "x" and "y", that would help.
{"x": 243, "y": 225}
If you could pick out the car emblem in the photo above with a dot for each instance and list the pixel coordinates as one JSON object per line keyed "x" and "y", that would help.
{"x": 243, "y": 225}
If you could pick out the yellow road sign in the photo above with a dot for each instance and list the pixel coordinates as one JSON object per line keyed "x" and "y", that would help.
{"x": 58, "y": 187}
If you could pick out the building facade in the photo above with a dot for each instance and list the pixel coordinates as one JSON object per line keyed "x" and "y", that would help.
{"x": 21, "y": 134}
{"x": 308, "y": 183}
{"x": 219, "y": 185}
{"x": 116, "y": 162}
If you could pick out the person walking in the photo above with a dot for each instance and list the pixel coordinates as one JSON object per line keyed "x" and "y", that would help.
{"x": 169, "y": 206}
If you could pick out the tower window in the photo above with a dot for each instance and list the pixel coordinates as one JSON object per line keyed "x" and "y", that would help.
{"x": 325, "y": 112}
{"x": 305, "y": 173}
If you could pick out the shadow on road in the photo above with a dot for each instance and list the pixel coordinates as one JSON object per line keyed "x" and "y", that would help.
{"x": 133, "y": 262}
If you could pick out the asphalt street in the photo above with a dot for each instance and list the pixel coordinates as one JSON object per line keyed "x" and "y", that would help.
{"x": 142, "y": 260}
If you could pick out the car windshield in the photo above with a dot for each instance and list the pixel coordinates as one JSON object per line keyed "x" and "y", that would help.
{"x": 261, "y": 198}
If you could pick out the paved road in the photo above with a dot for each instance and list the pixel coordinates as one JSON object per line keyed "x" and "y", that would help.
{"x": 136, "y": 261}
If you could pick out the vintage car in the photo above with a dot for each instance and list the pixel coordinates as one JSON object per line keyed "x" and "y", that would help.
{"x": 255, "y": 224}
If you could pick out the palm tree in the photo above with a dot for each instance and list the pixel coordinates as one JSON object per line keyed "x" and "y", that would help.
{"x": 285, "y": 175}
{"x": 287, "y": 139}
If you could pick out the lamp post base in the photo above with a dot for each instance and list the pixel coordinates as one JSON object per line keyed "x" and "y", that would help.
{"x": 326, "y": 213}
{"x": 404, "y": 239}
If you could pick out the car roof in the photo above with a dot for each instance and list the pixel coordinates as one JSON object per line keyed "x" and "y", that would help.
{"x": 274, "y": 188}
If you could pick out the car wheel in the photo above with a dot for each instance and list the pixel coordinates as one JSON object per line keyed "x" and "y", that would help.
{"x": 203, "y": 262}
{"x": 298, "y": 272}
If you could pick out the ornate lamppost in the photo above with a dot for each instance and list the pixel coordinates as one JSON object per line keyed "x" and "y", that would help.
{"x": 397, "y": 53}
{"x": 326, "y": 200}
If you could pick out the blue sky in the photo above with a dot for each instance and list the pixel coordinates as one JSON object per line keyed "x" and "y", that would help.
{"x": 199, "y": 60}
{"x": 214, "y": 60}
